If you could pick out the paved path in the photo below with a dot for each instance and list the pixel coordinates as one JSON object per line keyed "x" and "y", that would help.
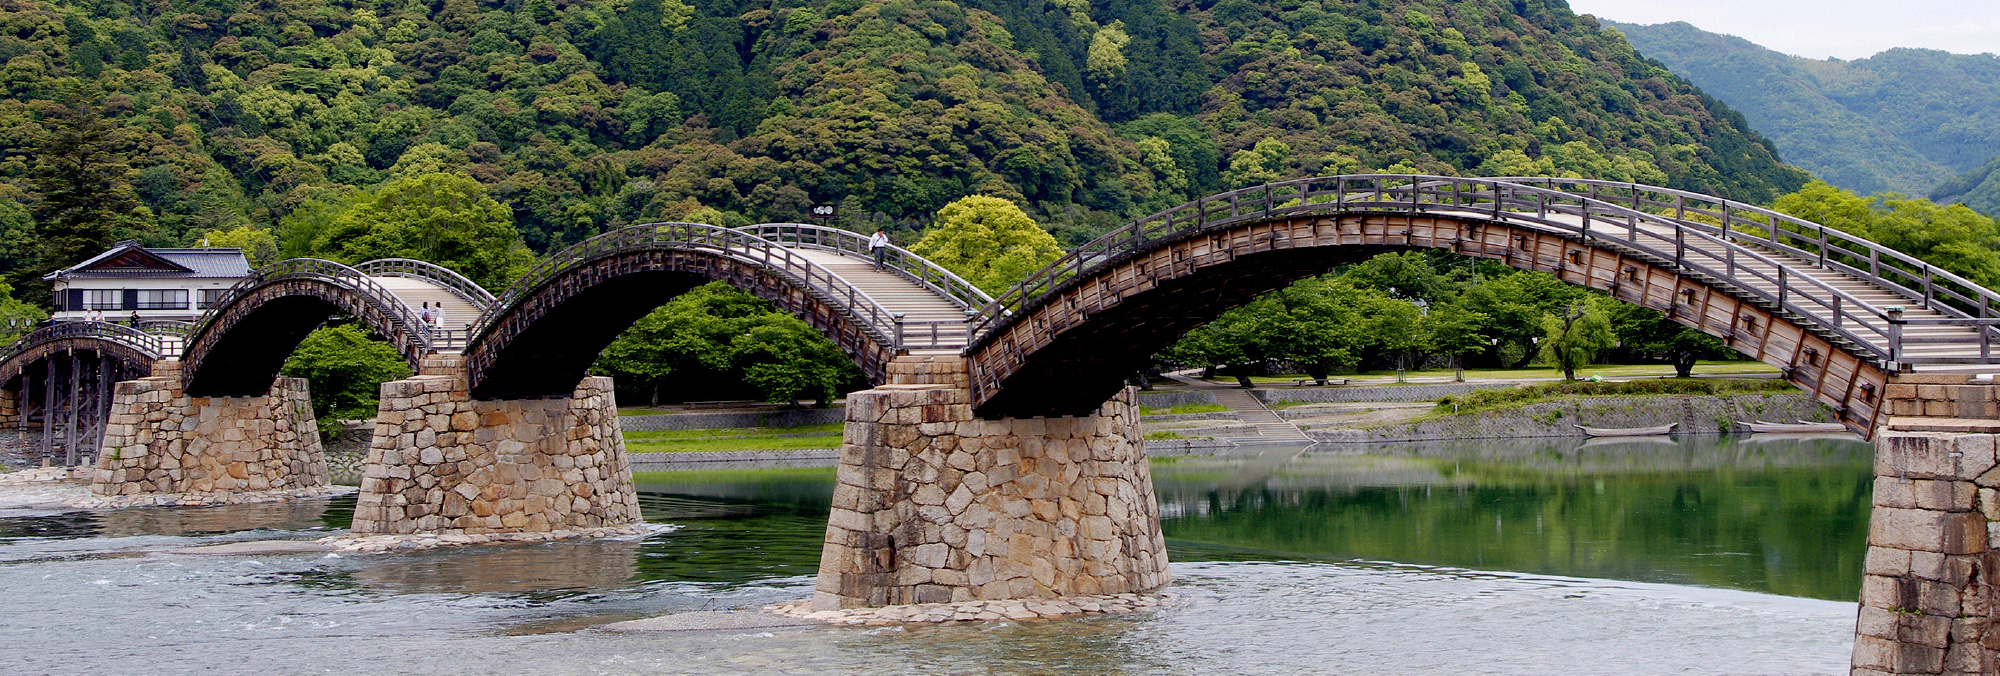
{"x": 1250, "y": 410}
{"x": 923, "y": 310}
{"x": 458, "y": 312}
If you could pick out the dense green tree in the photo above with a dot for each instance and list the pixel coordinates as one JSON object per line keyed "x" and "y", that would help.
{"x": 81, "y": 179}
{"x": 989, "y": 241}
{"x": 344, "y": 367}
{"x": 1453, "y": 331}
{"x": 1952, "y": 237}
{"x": 446, "y": 219}
{"x": 259, "y": 246}
{"x": 1647, "y": 333}
{"x": 714, "y": 334}
{"x": 1573, "y": 337}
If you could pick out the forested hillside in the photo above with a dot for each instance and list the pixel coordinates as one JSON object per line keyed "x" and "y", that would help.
{"x": 1905, "y": 120}
{"x": 200, "y": 116}
{"x": 1979, "y": 188}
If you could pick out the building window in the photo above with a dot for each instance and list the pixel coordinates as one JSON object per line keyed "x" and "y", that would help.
{"x": 209, "y": 297}
{"x": 163, "y": 299}
{"x": 103, "y": 299}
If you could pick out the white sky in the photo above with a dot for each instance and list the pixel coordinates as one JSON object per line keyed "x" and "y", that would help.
{"x": 1819, "y": 29}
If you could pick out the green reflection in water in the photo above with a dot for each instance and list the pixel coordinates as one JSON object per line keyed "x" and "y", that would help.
{"x": 1787, "y": 517}
{"x": 737, "y": 526}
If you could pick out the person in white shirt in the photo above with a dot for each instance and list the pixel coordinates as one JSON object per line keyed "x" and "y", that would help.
{"x": 878, "y": 244}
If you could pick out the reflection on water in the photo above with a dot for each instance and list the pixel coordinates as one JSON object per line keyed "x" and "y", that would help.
{"x": 1264, "y": 544}
{"x": 1785, "y": 516}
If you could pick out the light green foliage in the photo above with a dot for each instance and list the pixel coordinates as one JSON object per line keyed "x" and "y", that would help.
{"x": 258, "y": 245}
{"x": 446, "y": 219}
{"x": 1952, "y": 237}
{"x": 1319, "y": 324}
{"x": 1573, "y": 337}
{"x": 344, "y": 367}
{"x": 717, "y": 334}
{"x": 1105, "y": 59}
{"x": 17, "y": 318}
{"x": 1267, "y": 162}
{"x": 987, "y": 240}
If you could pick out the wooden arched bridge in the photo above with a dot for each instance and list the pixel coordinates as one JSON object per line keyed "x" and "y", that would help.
{"x": 1838, "y": 313}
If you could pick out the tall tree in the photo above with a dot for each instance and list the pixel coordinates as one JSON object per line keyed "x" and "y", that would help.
{"x": 446, "y": 219}
{"x": 83, "y": 184}
{"x": 989, "y": 241}
{"x": 1574, "y": 337}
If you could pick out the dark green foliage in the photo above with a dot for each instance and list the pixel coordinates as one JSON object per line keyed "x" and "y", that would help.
{"x": 1979, "y": 188}
{"x": 80, "y": 175}
{"x": 344, "y": 367}
{"x": 716, "y": 342}
{"x": 1527, "y": 394}
{"x": 1902, "y": 120}
{"x": 582, "y": 116}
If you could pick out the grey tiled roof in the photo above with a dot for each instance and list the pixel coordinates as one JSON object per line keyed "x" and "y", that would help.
{"x": 201, "y": 263}
{"x": 218, "y": 262}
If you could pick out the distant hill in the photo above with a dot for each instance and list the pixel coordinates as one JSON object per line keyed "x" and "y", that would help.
{"x": 1979, "y": 188}
{"x": 1906, "y": 120}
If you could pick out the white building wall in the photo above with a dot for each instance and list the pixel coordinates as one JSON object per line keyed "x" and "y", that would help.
{"x": 189, "y": 313}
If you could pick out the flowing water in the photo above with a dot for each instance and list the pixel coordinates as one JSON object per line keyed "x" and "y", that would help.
{"x": 1536, "y": 557}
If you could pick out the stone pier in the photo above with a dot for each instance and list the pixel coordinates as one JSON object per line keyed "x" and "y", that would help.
{"x": 936, "y": 505}
{"x": 1928, "y": 595}
{"x": 444, "y": 463}
{"x": 158, "y": 440}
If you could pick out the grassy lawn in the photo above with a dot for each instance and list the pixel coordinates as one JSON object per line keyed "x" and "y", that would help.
{"x": 734, "y": 439}
{"x": 1183, "y": 408}
{"x": 1606, "y": 370}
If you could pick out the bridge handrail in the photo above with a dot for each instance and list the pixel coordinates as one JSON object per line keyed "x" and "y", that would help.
{"x": 735, "y": 244}
{"x": 898, "y": 259}
{"x": 1495, "y": 199}
{"x": 405, "y": 318}
{"x": 150, "y": 344}
{"x": 1822, "y": 238}
{"x": 427, "y": 271}
{"x": 165, "y": 327}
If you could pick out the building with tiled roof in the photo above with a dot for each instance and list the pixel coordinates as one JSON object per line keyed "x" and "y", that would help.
{"x": 131, "y": 280}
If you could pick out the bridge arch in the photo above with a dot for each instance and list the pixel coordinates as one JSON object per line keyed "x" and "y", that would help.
{"x": 132, "y": 350}
{"x": 239, "y": 345}
{"x": 541, "y": 335}
{"x": 1785, "y": 291}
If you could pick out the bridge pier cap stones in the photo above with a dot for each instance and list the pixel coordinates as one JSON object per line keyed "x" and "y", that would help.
{"x": 160, "y": 441}
{"x": 441, "y": 462}
{"x": 934, "y": 504}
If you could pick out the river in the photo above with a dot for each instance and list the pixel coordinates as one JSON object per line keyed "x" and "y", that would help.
{"x": 1497, "y": 557}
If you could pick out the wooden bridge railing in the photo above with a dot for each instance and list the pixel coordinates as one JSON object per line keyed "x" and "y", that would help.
{"x": 438, "y": 275}
{"x": 737, "y": 244}
{"x": 1738, "y": 257}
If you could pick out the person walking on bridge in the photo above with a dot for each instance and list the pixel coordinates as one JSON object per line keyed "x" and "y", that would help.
{"x": 878, "y": 244}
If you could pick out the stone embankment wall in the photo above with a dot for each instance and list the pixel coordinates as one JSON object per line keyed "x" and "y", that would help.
{"x": 441, "y": 462}
{"x": 1696, "y": 415}
{"x": 1385, "y": 393}
{"x": 1928, "y": 598}
{"x": 160, "y": 441}
{"x": 934, "y": 505}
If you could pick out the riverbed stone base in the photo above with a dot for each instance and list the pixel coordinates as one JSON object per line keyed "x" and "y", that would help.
{"x": 972, "y": 611}
{"x": 934, "y": 505}
{"x": 441, "y": 462}
{"x": 1928, "y": 597}
{"x": 370, "y": 544}
{"x": 160, "y": 441}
